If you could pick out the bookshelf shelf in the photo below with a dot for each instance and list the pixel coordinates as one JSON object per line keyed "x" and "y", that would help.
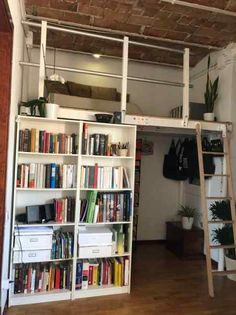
{"x": 104, "y": 223}
{"x": 41, "y": 196}
{"x": 112, "y": 256}
{"x": 87, "y": 156}
{"x": 106, "y": 190}
{"x": 45, "y": 224}
{"x": 21, "y": 153}
{"x": 40, "y": 297}
{"x": 101, "y": 291}
{"x": 51, "y": 260}
{"x": 46, "y": 189}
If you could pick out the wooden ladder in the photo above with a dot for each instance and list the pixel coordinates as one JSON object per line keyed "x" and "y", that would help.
{"x": 204, "y": 200}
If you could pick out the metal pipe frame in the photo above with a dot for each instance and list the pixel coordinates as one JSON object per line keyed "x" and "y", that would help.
{"x": 42, "y": 59}
{"x": 201, "y": 7}
{"x": 119, "y": 33}
{"x": 124, "y": 76}
{"x": 125, "y": 59}
{"x": 73, "y": 31}
{"x": 105, "y": 74}
{"x": 185, "y": 88}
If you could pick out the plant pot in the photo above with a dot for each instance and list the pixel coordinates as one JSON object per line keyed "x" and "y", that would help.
{"x": 230, "y": 265}
{"x": 122, "y": 152}
{"x": 187, "y": 223}
{"x": 51, "y": 110}
{"x": 209, "y": 116}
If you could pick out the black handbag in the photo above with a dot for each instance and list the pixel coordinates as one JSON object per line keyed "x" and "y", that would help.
{"x": 208, "y": 161}
{"x": 217, "y": 146}
{"x": 171, "y": 167}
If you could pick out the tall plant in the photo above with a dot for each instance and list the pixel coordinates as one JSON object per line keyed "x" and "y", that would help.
{"x": 211, "y": 92}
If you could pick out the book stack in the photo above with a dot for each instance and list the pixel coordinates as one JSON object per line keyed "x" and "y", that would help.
{"x": 62, "y": 245}
{"x": 64, "y": 209}
{"x": 33, "y": 140}
{"x": 39, "y": 277}
{"x": 51, "y": 175}
{"x": 104, "y": 177}
{"x": 106, "y": 207}
{"x": 99, "y": 272}
{"x": 95, "y": 144}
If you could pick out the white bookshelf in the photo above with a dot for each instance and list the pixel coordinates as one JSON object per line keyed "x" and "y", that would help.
{"x": 32, "y": 196}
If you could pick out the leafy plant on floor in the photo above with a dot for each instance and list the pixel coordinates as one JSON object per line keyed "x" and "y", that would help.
{"x": 187, "y": 211}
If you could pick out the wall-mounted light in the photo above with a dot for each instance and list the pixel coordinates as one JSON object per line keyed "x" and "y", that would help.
{"x": 97, "y": 56}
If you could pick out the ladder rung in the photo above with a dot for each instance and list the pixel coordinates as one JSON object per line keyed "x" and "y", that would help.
{"x": 214, "y": 153}
{"x": 220, "y": 221}
{"x": 218, "y": 198}
{"x": 221, "y": 175}
{"x": 223, "y": 273}
{"x": 222, "y": 246}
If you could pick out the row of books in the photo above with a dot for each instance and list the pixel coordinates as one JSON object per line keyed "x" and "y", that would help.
{"x": 39, "y": 277}
{"x": 34, "y": 140}
{"x": 99, "y": 272}
{"x": 104, "y": 177}
{"x": 106, "y": 207}
{"x": 62, "y": 245}
{"x": 95, "y": 144}
{"x": 64, "y": 210}
{"x": 51, "y": 175}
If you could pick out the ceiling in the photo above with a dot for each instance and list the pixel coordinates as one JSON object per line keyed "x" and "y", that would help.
{"x": 149, "y": 21}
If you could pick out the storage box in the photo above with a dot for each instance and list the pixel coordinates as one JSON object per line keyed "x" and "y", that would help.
{"x": 95, "y": 251}
{"x": 27, "y": 256}
{"x": 94, "y": 236}
{"x": 33, "y": 238}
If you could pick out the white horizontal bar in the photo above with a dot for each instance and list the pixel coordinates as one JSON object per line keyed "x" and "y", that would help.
{"x": 73, "y": 31}
{"x": 104, "y": 74}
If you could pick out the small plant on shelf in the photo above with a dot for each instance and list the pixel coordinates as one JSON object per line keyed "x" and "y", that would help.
{"x": 123, "y": 149}
{"x": 187, "y": 214}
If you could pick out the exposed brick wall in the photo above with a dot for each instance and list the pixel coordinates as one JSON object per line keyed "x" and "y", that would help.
{"x": 5, "y": 65}
{"x": 146, "y": 17}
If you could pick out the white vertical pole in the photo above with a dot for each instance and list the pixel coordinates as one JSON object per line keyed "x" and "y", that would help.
{"x": 43, "y": 44}
{"x": 124, "y": 77}
{"x": 186, "y": 88}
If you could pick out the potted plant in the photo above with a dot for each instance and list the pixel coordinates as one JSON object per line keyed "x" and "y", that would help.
{"x": 223, "y": 235}
{"x": 187, "y": 214}
{"x": 210, "y": 94}
{"x": 123, "y": 149}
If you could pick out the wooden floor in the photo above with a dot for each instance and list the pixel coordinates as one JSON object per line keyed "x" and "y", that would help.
{"x": 161, "y": 285}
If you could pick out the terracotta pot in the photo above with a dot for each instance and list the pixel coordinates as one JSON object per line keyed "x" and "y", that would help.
{"x": 187, "y": 223}
{"x": 209, "y": 116}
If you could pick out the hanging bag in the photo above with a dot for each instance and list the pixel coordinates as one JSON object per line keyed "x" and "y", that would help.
{"x": 208, "y": 161}
{"x": 171, "y": 166}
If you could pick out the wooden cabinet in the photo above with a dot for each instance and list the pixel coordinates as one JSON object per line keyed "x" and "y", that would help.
{"x": 184, "y": 243}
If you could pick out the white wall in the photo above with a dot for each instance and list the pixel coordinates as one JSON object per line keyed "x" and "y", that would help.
{"x": 16, "y": 80}
{"x": 153, "y": 99}
{"x": 159, "y": 196}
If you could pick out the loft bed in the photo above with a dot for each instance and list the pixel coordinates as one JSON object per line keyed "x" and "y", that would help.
{"x": 134, "y": 117}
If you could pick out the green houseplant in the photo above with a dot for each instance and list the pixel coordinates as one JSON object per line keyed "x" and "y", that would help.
{"x": 187, "y": 214}
{"x": 37, "y": 106}
{"x": 223, "y": 235}
{"x": 210, "y": 94}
